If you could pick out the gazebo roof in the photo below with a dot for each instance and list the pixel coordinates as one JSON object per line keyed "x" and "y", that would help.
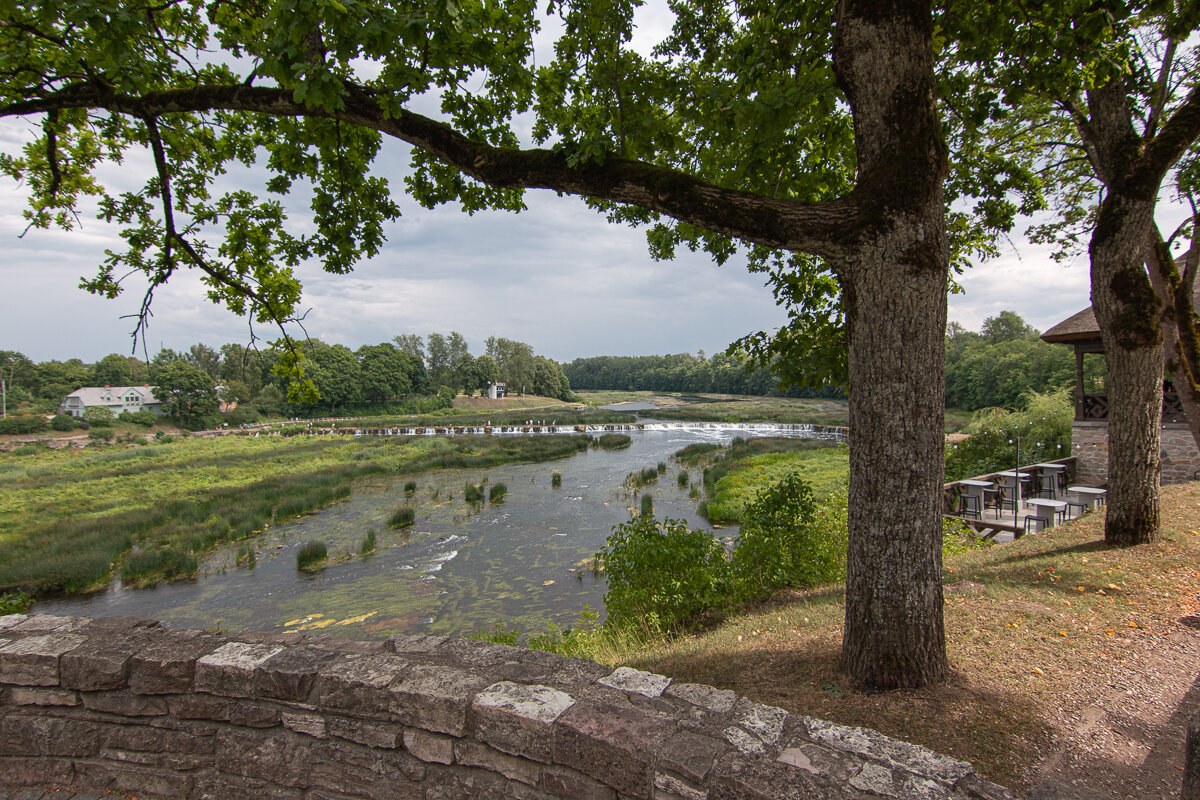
{"x": 1082, "y": 326}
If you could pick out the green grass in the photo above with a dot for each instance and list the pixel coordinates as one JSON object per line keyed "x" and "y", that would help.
{"x": 368, "y": 543}
{"x": 69, "y": 518}
{"x": 556, "y": 479}
{"x": 647, "y": 505}
{"x": 739, "y": 476}
{"x": 613, "y": 441}
{"x": 473, "y": 492}
{"x": 497, "y": 492}
{"x": 310, "y": 555}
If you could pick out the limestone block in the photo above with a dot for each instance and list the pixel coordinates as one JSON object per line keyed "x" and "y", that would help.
{"x": 613, "y": 744}
{"x": 719, "y": 701}
{"x": 765, "y": 722}
{"x": 292, "y": 673}
{"x": 129, "y": 778}
{"x": 9, "y": 621}
{"x": 518, "y": 719}
{"x": 26, "y": 735}
{"x": 628, "y": 679}
{"x": 22, "y": 696}
{"x": 26, "y": 771}
{"x": 214, "y": 785}
{"x": 891, "y": 752}
{"x": 44, "y": 623}
{"x": 473, "y": 754}
{"x": 229, "y": 670}
{"x": 565, "y": 782}
{"x": 407, "y": 645}
{"x": 167, "y": 664}
{"x": 818, "y": 760}
{"x": 274, "y": 756}
{"x": 304, "y": 722}
{"x": 34, "y": 660}
{"x": 102, "y": 662}
{"x": 431, "y": 748}
{"x": 435, "y": 698}
{"x": 742, "y": 777}
{"x": 668, "y": 787}
{"x": 386, "y": 733}
{"x": 125, "y": 704}
{"x": 690, "y": 755}
{"x": 360, "y": 684}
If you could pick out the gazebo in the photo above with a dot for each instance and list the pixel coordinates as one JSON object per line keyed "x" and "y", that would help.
{"x": 1089, "y": 431}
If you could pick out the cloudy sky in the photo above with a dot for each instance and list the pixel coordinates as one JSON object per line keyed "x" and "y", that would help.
{"x": 557, "y": 276}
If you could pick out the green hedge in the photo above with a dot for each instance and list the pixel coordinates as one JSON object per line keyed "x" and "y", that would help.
{"x": 20, "y": 425}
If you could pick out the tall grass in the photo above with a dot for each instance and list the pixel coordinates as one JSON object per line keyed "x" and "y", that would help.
{"x": 647, "y": 505}
{"x": 636, "y": 480}
{"x": 613, "y": 441}
{"x": 310, "y": 555}
{"x": 402, "y": 517}
{"x": 368, "y": 543}
{"x": 497, "y": 492}
{"x": 473, "y": 492}
{"x": 556, "y": 479}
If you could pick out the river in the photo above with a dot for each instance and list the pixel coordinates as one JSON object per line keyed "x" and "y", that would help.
{"x": 458, "y": 568}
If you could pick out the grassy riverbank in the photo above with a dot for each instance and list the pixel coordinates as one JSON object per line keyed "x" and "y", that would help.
{"x": 69, "y": 518}
{"x": 1039, "y": 633}
{"x": 751, "y": 465}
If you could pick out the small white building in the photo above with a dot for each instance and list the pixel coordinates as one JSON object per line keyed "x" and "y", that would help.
{"x": 496, "y": 390}
{"x": 116, "y": 399}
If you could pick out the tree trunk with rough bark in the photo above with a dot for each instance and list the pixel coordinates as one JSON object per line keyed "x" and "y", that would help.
{"x": 894, "y": 280}
{"x": 1129, "y": 314}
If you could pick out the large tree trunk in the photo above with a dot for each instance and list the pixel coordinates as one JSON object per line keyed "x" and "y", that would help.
{"x": 1175, "y": 283}
{"x": 895, "y": 281}
{"x": 1130, "y": 317}
{"x": 1129, "y": 313}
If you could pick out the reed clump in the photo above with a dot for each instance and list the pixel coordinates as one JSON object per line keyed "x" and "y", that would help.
{"x": 497, "y": 493}
{"x": 311, "y": 556}
{"x": 401, "y": 518}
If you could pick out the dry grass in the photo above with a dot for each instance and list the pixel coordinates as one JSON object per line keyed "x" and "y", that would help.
{"x": 1038, "y": 630}
{"x": 485, "y": 403}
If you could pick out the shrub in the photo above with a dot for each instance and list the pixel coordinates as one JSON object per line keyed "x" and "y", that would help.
{"x": 310, "y": 555}
{"x": 368, "y": 543}
{"x": 144, "y": 418}
{"x": 22, "y": 425}
{"x": 662, "y": 575}
{"x": 556, "y": 479}
{"x": 63, "y": 422}
{"x": 242, "y": 415}
{"x": 97, "y": 432}
{"x": 782, "y": 544}
{"x": 25, "y": 450}
{"x": 99, "y": 416}
{"x": 497, "y": 492}
{"x": 402, "y": 517}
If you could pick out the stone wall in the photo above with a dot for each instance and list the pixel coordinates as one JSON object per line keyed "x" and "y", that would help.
{"x": 128, "y": 705}
{"x": 1180, "y": 458}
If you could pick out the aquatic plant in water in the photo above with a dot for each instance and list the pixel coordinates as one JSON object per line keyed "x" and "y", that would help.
{"x": 401, "y": 518}
{"x": 310, "y": 555}
{"x": 368, "y": 543}
{"x": 497, "y": 493}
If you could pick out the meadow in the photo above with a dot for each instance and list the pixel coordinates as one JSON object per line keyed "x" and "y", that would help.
{"x": 71, "y": 519}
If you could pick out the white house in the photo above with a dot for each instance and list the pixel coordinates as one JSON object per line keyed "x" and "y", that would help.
{"x": 496, "y": 390}
{"x": 115, "y": 398}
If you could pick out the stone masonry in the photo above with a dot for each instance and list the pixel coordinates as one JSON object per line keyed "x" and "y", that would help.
{"x": 1180, "y": 458}
{"x": 124, "y": 704}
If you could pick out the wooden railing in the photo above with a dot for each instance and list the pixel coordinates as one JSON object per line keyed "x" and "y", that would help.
{"x": 1094, "y": 407}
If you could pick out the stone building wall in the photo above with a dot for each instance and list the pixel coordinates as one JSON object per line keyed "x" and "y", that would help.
{"x": 1089, "y": 441}
{"x": 125, "y": 704}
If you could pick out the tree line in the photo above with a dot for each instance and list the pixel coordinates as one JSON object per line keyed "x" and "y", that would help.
{"x": 722, "y": 373}
{"x": 380, "y": 377}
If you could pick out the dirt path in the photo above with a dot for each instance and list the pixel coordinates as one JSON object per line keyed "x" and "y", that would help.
{"x": 1129, "y": 744}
